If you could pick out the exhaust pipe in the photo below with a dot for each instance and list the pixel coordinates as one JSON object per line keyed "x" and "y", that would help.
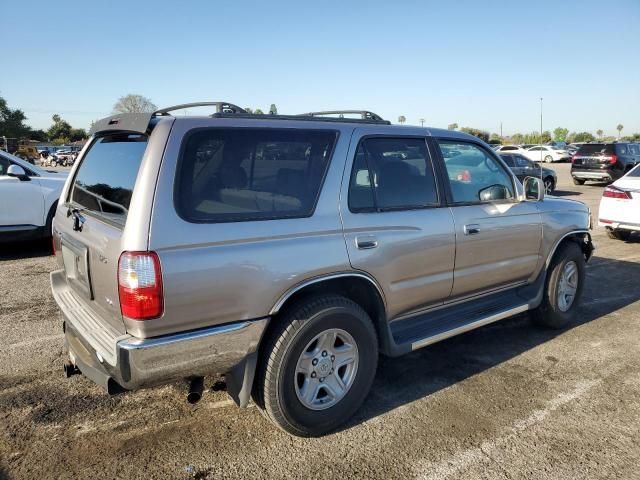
{"x": 195, "y": 390}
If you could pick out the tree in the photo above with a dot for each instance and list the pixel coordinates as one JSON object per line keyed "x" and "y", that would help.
{"x": 619, "y": 128}
{"x": 273, "y": 110}
{"x": 452, "y": 126}
{"x": 59, "y": 130}
{"x": 12, "y": 121}
{"x": 580, "y": 137}
{"x": 248, "y": 110}
{"x": 599, "y": 133}
{"x": 560, "y": 134}
{"x": 481, "y": 134}
{"x": 517, "y": 138}
{"x": 401, "y": 119}
{"x": 257, "y": 111}
{"x": 134, "y": 104}
{"x": 495, "y": 139}
{"x": 77, "y": 134}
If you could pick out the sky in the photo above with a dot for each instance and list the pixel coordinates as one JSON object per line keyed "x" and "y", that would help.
{"x": 476, "y": 63}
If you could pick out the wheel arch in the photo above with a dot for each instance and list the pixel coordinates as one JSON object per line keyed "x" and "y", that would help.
{"x": 357, "y": 286}
{"x": 581, "y": 237}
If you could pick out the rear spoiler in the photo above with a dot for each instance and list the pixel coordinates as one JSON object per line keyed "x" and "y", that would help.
{"x": 123, "y": 122}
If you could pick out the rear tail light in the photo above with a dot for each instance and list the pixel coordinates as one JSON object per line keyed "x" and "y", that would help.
{"x": 613, "y": 192}
{"x": 613, "y": 159}
{"x": 573, "y": 159}
{"x": 140, "y": 285}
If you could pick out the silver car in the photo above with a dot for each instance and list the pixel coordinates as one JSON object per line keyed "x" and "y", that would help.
{"x": 288, "y": 252}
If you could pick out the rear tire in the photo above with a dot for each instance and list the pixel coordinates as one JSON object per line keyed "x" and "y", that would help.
{"x": 563, "y": 287}
{"x": 618, "y": 234}
{"x": 578, "y": 181}
{"x": 293, "y": 365}
{"x": 548, "y": 159}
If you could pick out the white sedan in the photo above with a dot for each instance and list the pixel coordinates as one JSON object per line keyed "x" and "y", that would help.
{"x": 28, "y": 199}
{"x": 620, "y": 206}
{"x": 547, "y": 154}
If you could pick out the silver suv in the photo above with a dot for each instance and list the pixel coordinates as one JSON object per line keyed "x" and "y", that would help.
{"x": 287, "y": 252}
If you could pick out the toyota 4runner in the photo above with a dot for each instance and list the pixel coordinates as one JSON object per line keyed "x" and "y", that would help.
{"x": 287, "y": 252}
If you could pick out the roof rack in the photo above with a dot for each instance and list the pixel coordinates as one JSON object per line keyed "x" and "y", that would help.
{"x": 221, "y": 107}
{"x": 364, "y": 114}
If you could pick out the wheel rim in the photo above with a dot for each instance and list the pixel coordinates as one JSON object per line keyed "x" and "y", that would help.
{"x": 548, "y": 159}
{"x": 568, "y": 286}
{"x": 326, "y": 369}
{"x": 548, "y": 186}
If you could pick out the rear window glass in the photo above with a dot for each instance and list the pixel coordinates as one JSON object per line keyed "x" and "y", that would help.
{"x": 635, "y": 172}
{"x": 105, "y": 179}
{"x": 596, "y": 149}
{"x": 227, "y": 175}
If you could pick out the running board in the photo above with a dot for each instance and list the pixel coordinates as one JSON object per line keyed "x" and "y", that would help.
{"x": 469, "y": 326}
{"x": 426, "y": 328}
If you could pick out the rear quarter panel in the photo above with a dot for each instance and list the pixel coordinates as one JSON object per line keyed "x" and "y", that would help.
{"x": 216, "y": 273}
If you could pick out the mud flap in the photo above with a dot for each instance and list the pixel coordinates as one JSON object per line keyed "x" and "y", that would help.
{"x": 240, "y": 380}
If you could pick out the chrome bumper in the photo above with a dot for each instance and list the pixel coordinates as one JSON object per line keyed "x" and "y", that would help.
{"x": 591, "y": 175}
{"x": 141, "y": 363}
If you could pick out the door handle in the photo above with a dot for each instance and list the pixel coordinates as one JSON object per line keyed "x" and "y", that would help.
{"x": 366, "y": 243}
{"x": 472, "y": 229}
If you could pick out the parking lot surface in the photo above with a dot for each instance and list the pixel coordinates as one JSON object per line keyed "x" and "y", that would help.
{"x": 510, "y": 400}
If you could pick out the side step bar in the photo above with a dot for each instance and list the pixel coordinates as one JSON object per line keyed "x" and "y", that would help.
{"x": 469, "y": 326}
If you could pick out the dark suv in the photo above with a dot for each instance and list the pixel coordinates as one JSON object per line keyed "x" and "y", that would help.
{"x": 603, "y": 161}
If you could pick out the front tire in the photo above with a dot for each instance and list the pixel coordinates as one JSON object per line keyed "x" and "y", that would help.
{"x": 548, "y": 159}
{"x": 563, "y": 287}
{"x": 618, "y": 234}
{"x": 317, "y": 365}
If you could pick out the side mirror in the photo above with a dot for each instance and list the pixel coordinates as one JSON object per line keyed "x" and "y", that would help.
{"x": 533, "y": 188}
{"x": 18, "y": 172}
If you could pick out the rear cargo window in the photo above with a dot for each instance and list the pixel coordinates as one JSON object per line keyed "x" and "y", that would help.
{"x": 596, "y": 149}
{"x": 105, "y": 179}
{"x": 227, "y": 175}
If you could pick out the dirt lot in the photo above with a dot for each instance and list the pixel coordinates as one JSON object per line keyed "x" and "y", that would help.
{"x": 507, "y": 401}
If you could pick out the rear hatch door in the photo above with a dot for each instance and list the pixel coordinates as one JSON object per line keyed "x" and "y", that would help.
{"x": 593, "y": 156}
{"x": 90, "y": 226}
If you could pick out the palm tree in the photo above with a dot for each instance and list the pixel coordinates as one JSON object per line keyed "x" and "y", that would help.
{"x": 599, "y": 133}
{"x": 401, "y": 119}
{"x": 619, "y": 128}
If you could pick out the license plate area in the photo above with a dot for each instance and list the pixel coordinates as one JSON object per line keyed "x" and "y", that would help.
{"x": 76, "y": 267}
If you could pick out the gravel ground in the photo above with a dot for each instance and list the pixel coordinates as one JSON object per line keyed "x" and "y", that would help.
{"x": 507, "y": 401}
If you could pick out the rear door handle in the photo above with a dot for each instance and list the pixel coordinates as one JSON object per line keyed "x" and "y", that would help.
{"x": 472, "y": 229}
{"x": 366, "y": 243}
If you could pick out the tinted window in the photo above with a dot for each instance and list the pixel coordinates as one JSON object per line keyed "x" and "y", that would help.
{"x": 510, "y": 148}
{"x": 251, "y": 174}
{"x": 621, "y": 149}
{"x": 392, "y": 174}
{"x": 474, "y": 175}
{"x": 508, "y": 159}
{"x": 522, "y": 162}
{"x": 635, "y": 172}
{"x": 4, "y": 165}
{"x": 596, "y": 149}
{"x": 105, "y": 179}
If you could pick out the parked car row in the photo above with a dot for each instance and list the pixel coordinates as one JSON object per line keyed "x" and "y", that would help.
{"x": 604, "y": 162}
{"x": 537, "y": 153}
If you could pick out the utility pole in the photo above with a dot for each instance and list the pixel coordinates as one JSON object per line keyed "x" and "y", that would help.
{"x": 422, "y": 122}
{"x": 500, "y": 129}
{"x": 541, "y": 127}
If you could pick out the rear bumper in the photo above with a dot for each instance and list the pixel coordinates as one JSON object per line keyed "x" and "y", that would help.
{"x": 592, "y": 174}
{"x": 139, "y": 363}
{"x": 619, "y": 225}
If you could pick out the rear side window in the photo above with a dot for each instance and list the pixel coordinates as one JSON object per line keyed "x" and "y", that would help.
{"x": 392, "y": 174}
{"x": 621, "y": 149}
{"x": 106, "y": 177}
{"x": 596, "y": 149}
{"x": 227, "y": 175}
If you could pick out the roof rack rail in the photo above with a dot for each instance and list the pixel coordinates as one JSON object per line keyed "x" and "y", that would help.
{"x": 364, "y": 114}
{"x": 221, "y": 107}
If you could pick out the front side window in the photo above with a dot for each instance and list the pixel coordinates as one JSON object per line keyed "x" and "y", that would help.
{"x": 228, "y": 175}
{"x": 474, "y": 175}
{"x": 105, "y": 179}
{"x": 392, "y": 174}
{"x": 522, "y": 162}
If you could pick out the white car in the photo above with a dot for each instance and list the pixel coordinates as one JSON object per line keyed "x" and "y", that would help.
{"x": 28, "y": 199}
{"x": 509, "y": 149}
{"x": 620, "y": 206}
{"x": 547, "y": 154}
